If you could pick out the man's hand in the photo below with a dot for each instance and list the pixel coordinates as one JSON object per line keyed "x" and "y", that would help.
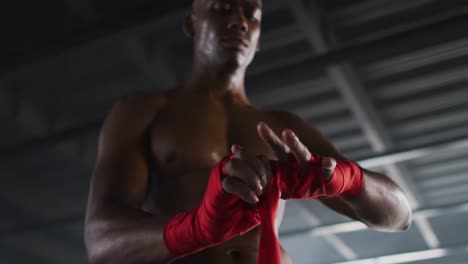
{"x": 290, "y": 144}
{"x": 247, "y": 175}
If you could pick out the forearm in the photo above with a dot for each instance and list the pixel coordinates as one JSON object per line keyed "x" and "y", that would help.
{"x": 365, "y": 196}
{"x": 381, "y": 205}
{"x": 122, "y": 235}
{"x": 325, "y": 174}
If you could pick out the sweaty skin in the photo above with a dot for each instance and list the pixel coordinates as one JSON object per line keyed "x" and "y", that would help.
{"x": 156, "y": 150}
{"x": 189, "y": 146}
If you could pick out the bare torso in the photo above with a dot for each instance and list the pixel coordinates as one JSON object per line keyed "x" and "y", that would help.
{"x": 187, "y": 137}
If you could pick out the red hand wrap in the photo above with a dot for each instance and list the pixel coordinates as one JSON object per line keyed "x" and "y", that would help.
{"x": 295, "y": 182}
{"x": 222, "y": 216}
{"x": 269, "y": 250}
{"x": 309, "y": 182}
{"x": 219, "y": 217}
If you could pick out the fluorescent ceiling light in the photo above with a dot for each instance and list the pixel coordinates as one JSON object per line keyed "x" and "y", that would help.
{"x": 402, "y": 258}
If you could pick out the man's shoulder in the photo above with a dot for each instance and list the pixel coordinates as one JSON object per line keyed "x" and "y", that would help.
{"x": 286, "y": 118}
{"x": 310, "y": 135}
{"x": 135, "y": 109}
{"x": 294, "y": 122}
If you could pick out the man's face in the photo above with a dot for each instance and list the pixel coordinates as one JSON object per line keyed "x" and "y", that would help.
{"x": 226, "y": 31}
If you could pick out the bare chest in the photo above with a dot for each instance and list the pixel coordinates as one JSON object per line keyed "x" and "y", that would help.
{"x": 187, "y": 140}
{"x": 198, "y": 136}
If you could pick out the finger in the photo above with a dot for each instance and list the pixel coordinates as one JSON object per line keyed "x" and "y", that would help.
{"x": 235, "y": 148}
{"x": 239, "y": 188}
{"x": 242, "y": 170}
{"x": 266, "y": 164}
{"x": 267, "y": 135}
{"x": 328, "y": 167}
{"x": 298, "y": 149}
{"x": 255, "y": 164}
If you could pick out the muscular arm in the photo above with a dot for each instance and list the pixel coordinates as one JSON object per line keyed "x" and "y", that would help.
{"x": 381, "y": 205}
{"x": 116, "y": 230}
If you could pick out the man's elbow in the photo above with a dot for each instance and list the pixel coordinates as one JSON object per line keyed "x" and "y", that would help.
{"x": 390, "y": 225}
{"x": 396, "y": 220}
{"x": 401, "y": 225}
{"x": 403, "y": 213}
{"x": 407, "y": 219}
{"x": 94, "y": 237}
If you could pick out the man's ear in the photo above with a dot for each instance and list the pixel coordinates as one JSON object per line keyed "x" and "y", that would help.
{"x": 189, "y": 26}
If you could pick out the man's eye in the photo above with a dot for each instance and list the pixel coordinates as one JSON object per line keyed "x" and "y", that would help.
{"x": 254, "y": 15}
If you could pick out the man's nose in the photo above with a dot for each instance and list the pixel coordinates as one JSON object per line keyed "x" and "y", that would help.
{"x": 237, "y": 21}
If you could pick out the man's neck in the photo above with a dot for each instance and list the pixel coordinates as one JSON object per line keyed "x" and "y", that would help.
{"x": 218, "y": 82}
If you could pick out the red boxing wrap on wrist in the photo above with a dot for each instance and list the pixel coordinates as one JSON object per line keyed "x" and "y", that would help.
{"x": 309, "y": 181}
{"x": 295, "y": 182}
{"x": 219, "y": 217}
{"x": 222, "y": 216}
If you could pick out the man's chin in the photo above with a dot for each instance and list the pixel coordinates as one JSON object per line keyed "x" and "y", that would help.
{"x": 235, "y": 59}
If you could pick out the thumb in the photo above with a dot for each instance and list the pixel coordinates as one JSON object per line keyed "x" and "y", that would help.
{"x": 328, "y": 167}
{"x": 269, "y": 137}
{"x": 235, "y": 148}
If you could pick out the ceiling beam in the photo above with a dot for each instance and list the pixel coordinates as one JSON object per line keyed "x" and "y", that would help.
{"x": 53, "y": 138}
{"x": 313, "y": 220}
{"x": 151, "y": 17}
{"x": 353, "y": 226}
{"x": 416, "y": 152}
{"x": 14, "y": 254}
{"x": 365, "y": 11}
{"x": 425, "y": 228}
{"x": 414, "y": 256}
{"x": 312, "y": 28}
{"x": 17, "y": 106}
{"x": 42, "y": 225}
{"x": 353, "y": 92}
{"x": 152, "y": 60}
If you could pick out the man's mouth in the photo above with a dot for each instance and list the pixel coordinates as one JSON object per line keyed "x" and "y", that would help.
{"x": 234, "y": 42}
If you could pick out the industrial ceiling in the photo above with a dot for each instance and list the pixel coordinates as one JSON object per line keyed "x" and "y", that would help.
{"x": 386, "y": 81}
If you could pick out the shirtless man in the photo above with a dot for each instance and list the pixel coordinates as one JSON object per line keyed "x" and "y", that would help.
{"x": 156, "y": 152}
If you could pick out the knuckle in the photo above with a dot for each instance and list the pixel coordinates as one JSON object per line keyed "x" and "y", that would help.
{"x": 229, "y": 181}
{"x": 234, "y": 188}
{"x": 252, "y": 180}
{"x": 255, "y": 181}
{"x": 263, "y": 170}
{"x": 233, "y": 165}
{"x": 259, "y": 166}
{"x": 248, "y": 194}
